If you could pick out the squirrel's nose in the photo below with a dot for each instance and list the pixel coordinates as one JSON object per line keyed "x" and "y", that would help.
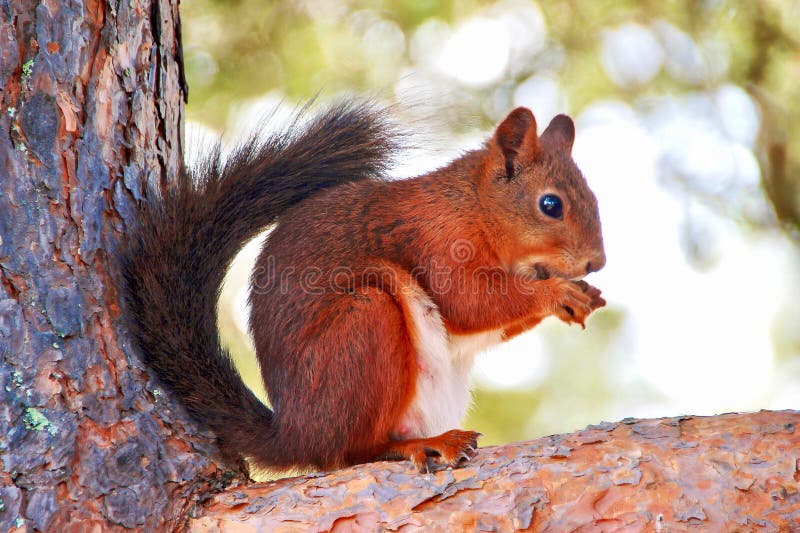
{"x": 596, "y": 263}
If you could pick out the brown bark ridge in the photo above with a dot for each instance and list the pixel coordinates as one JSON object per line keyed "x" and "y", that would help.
{"x": 91, "y": 100}
{"x": 726, "y": 473}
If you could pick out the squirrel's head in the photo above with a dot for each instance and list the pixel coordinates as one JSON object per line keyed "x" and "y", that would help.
{"x": 550, "y": 215}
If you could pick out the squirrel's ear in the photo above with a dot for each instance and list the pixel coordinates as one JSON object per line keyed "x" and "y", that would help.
{"x": 560, "y": 134}
{"x": 516, "y": 135}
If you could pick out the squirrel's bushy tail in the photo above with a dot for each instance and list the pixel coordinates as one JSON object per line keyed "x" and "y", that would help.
{"x": 177, "y": 258}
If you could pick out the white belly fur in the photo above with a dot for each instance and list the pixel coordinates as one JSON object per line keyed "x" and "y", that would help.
{"x": 444, "y": 361}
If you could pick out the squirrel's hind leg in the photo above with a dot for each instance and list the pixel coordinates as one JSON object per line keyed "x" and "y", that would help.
{"x": 368, "y": 391}
{"x": 352, "y": 378}
{"x": 439, "y": 394}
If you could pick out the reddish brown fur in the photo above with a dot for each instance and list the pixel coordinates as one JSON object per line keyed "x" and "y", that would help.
{"x": 402, "y": 227}
{"x": 340, "y": 277}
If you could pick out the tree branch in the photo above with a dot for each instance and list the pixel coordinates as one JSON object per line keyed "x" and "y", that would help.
{"x": 722, "y": 473}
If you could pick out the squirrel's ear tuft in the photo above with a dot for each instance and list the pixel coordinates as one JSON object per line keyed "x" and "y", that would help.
{"x": 516, "y": 134}
{"x": 560, "y": 134}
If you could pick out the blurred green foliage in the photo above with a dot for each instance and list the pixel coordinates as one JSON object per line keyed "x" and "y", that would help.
{"x": 241, "y": 49}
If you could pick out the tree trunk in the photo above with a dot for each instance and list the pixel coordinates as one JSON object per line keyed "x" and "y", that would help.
{"x": 90, "y": 110}
{"x": 91, "y": 104}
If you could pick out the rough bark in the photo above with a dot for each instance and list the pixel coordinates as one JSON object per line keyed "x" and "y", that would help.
{"x": 91, "y": 100}
{"x": 728, "y": 473}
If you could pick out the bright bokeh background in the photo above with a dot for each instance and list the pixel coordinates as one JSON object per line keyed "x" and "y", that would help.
{"x": 688, "y": 120}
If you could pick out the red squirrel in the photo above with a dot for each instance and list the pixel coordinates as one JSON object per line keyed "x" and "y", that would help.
{"x": 370, "y": 296}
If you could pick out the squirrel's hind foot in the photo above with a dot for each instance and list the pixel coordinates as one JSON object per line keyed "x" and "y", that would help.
{"x": 452, "y": 449}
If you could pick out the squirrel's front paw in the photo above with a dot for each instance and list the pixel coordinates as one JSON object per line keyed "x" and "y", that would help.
{"x": 573, "y": 301}
{"x": 592, "y": 292}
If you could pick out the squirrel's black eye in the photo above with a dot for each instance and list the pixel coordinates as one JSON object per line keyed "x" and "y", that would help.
{"x": 551, "y": 205}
